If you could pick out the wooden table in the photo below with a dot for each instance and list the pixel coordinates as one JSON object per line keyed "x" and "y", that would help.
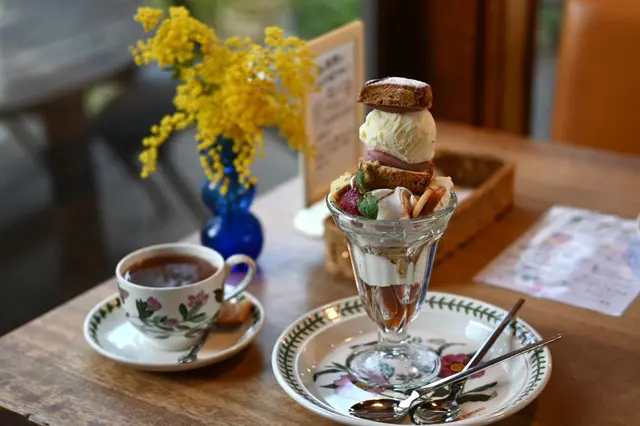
{"x": 49, "y": 375}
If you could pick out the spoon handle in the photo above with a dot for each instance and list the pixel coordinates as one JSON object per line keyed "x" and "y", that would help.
{"x": 406, "y": 403}
{"x": 457, "y": 388}
{"x": 192, "y": 355}
{"x": 508, "y": 318}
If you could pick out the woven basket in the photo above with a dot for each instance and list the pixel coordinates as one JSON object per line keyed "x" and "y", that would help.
{"x": 492, "y": 181}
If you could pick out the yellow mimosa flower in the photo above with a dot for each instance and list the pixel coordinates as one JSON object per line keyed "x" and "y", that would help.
{"x": 230, "y": 89}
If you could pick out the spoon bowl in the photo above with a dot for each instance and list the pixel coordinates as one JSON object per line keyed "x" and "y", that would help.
{"x": 435, "y": 411}
{"x": 392, "y": 410}
{"x": 381, "y": 410}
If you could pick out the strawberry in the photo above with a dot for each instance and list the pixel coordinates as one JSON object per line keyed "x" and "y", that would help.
{"x": 349, "y": 201}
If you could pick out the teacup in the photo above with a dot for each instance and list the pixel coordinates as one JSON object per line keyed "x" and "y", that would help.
{"x": 174, "y": 318}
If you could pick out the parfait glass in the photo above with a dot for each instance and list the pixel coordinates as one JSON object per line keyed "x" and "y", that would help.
{"x": 392, "y": 263}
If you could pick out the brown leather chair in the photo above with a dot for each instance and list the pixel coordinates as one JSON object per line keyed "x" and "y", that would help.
{"x": 597, "y": 101}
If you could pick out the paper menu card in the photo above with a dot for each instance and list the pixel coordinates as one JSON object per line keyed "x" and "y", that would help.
{"x": 332, "y": 114}
{"x": 579, "y": 257}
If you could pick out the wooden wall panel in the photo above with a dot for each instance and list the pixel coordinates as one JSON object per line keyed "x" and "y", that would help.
{"x": 477, "y": 55}
{"x": 519, "y": 30}
{"x": 452, "y": 58}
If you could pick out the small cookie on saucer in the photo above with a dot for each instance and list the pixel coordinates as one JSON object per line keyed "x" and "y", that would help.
{"x": 234, "y": 313}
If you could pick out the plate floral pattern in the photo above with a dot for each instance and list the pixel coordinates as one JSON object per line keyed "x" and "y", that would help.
{"x": 328, "y": 389}
{"x": 109, "y": 332}
{"x": 337, "y": 377}
{"x": 191, "y": 323}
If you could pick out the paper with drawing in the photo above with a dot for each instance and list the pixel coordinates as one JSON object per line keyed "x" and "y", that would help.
{"x": 579, "y": 257}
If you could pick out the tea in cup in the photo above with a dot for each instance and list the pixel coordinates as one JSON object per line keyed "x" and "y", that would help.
{"x": 171, "y": 292}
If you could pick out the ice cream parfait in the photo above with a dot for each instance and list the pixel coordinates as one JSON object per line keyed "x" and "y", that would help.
{"x": 393, "y": 212}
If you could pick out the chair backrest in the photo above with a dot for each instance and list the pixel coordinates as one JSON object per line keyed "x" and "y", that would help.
{"x": 597, "y": 101}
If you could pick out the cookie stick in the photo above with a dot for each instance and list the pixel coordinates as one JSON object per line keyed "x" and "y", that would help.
{"x": 431, "y": 205}
{"x": 422, "y": 201}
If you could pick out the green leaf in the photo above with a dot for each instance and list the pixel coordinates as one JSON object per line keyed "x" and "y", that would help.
{"x": 192, "y": 333}
{"x": 360, "y": 181}
{"x": 198, "y": 317}
{"x": 195, "y": 309}
{"x": 183, "y": 327}
{"x": 483, "y": 387}
{"x": 368, "y": 207}
{"x": 183, "y": 311}
{"x": 329, "y": 371}
{"x": 387, "y": 371}
{"x": 330, "y": 386}
{"x": 143, "y": 310}
{"x": 476, "y": 397}
{"x": 339, "y": 366}
{"x": 442, "y": 348}
{"x": 440, "y": 392}
{"x": 219, "y": 295}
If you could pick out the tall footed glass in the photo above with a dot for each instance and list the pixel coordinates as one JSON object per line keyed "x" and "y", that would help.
{"x": 392, "y": 262}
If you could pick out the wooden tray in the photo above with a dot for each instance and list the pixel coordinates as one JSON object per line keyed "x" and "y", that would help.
{"x": 492, "y": 182}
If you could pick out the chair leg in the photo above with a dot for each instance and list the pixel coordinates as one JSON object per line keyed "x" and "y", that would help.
{"x": 22, "y": 136}
{"x": 185, "y": 192}
{"x": 154, "y": 191}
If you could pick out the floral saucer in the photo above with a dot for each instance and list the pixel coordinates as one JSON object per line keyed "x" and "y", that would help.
{"x": 309, "y": 358}
{"x": 109, "y": 333}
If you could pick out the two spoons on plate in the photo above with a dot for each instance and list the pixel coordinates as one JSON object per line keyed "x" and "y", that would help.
{"x": 447, "y": 409}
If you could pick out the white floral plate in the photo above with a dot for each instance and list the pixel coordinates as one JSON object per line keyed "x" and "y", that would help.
{"x": 108, "y": 331}
{"x": 309, "y": 358}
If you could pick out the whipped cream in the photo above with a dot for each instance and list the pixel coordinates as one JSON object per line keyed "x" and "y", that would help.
{"x": 446, "y": 183}
{"x": 377, "y": 270}
{"x": 410, "y": 137}
{"x": 393, "y": 204}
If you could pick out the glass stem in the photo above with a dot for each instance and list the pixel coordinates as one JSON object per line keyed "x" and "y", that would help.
{"x": 388, "y": 337}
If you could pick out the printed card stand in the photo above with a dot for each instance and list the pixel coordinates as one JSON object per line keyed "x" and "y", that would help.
{"x": 332, "y": 121}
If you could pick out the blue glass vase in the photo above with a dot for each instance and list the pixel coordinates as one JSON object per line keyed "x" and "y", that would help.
{"x": 232, "y": 229}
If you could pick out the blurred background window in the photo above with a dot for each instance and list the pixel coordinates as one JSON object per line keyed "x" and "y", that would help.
{"x": 547, "y": 33}
{"x": 73, "y": 112}
{"x": 74, "y": 109}
{"x": 305, "y": 18}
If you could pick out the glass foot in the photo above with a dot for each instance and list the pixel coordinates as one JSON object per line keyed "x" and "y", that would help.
{"x": 398, "y": 366}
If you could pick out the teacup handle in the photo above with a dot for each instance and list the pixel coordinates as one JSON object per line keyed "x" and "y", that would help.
{"x": 238, "y": 259}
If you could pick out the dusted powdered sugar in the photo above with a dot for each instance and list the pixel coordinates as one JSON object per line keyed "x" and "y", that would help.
{"x": 399, "y": 81}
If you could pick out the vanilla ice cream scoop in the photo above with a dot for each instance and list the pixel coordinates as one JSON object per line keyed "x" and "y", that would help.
{"x": 409, "y": 137}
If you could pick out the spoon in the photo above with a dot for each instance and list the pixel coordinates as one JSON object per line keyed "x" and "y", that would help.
{"x": 447, "y": 409}
{"x": 192, "y": 355}
{"x": 386, "y": 410}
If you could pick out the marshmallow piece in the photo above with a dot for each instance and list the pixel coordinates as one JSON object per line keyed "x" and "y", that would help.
{"x": 393, "y": 204}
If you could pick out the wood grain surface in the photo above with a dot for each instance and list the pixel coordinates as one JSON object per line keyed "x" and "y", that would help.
{"x": 50, "y": 376}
